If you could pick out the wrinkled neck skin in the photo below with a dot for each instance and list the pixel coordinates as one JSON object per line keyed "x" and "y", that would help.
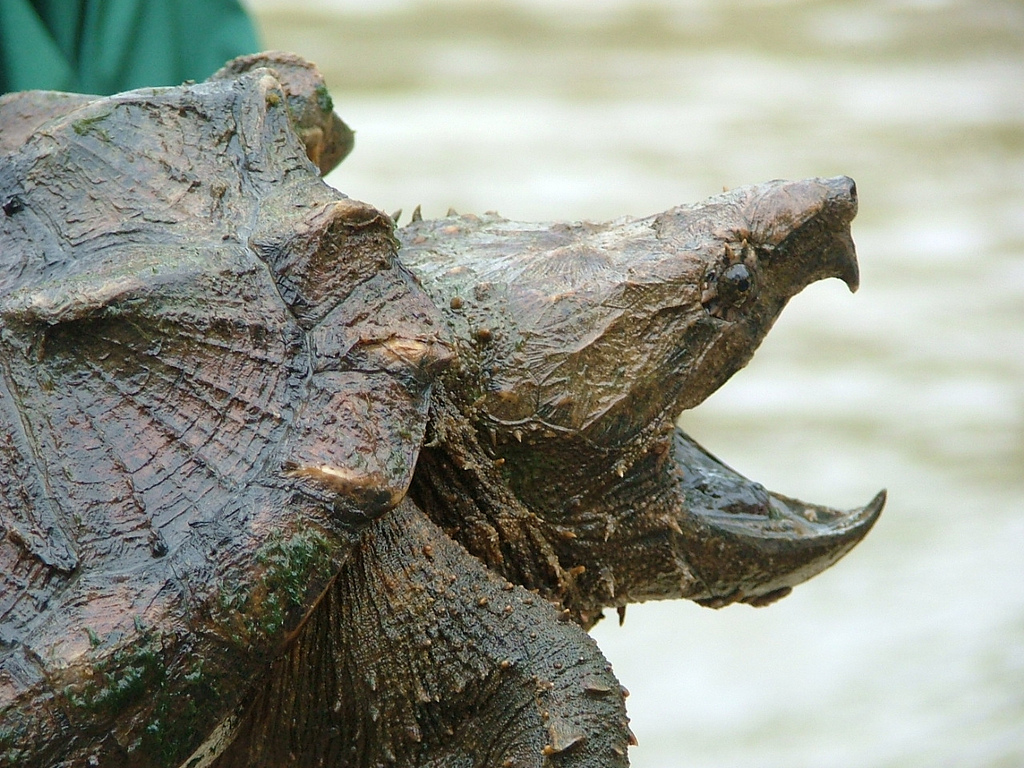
{"x": 614, "y": 543}
{"x": 417, "y": 655}
{"x": 554, "y": 457}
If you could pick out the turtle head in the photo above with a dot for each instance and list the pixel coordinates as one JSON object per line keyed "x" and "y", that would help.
{"x": 581, "y": 344}
{"x": 594, "y": 333}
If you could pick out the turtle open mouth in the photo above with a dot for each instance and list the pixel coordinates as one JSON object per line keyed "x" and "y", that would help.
{"x": 314, "y": 484}
{"x": 597, "y": 337}
{"x": 749, "y": 544}
{"x": 745, "y": 543}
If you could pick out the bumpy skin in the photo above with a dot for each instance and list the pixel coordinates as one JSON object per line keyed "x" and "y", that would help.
{"x": 271, "y": 495}
{"x": 578, "y": 347}
{"x": 421, "y": 656}
{"x": 326, "y": 137}
{"x": 213, "y": 374}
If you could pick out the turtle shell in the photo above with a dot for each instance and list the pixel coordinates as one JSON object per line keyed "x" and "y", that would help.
{"x": 213, "y": 374}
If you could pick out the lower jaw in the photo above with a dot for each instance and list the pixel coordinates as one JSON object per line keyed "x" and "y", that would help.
{"x": 751, "y": 545}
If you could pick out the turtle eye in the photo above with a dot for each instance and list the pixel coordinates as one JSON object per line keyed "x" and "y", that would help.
{"x": 735, "y": 284}
{"x": 738, "y": 277}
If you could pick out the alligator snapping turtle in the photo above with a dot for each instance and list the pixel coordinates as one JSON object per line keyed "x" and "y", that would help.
{"x": 280, "y": 485}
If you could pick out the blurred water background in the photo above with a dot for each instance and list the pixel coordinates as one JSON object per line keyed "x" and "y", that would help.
{"x": 910, "y": 652}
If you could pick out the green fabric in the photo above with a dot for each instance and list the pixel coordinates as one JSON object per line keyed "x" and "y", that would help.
{"x": 107, "y": 46}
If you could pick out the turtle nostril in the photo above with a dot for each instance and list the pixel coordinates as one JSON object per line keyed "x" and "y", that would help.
{"x": 849, "y": 188}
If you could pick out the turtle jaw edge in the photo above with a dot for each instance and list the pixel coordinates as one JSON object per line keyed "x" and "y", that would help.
{"x": 741, "y": 542}
{"x": 747, "y": 544}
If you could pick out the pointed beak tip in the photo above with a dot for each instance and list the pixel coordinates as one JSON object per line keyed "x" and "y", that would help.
{"x": 861, "y": 520}
{"x": 849, "y": 270}
{"x": 876, "y": 505}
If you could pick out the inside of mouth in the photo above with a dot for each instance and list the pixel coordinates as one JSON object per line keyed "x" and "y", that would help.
{"x": 714, "y": 488}
{"x": 748, "y": 544}
{"x": 727, "y": 499}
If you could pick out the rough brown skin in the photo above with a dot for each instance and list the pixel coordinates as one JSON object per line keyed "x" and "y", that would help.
{"x": 326, "y": 137}
{"x": 578, "y": 347}
{"x": 419, "y": 655}
{"x": 280, "y": 485}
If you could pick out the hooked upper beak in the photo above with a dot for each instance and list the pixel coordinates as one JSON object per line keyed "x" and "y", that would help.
{"x": 742, "y": 542}
{"x": 818, "y": 247}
